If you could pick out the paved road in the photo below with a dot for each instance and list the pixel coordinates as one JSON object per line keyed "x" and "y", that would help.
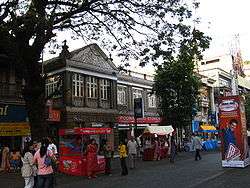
{"x": 185, "y": 173}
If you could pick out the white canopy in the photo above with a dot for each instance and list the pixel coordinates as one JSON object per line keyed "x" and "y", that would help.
{"x": 159, "y": 130}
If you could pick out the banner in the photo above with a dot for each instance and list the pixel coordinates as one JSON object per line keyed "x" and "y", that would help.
{"x": 12, "y": 113}
{"x": 233, "y": 132}
{"x": 14, "y": 129}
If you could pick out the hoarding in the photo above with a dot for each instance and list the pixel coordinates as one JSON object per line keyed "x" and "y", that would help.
{"x": 233, "y": 132}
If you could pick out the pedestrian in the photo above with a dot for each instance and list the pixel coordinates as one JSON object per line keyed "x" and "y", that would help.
{"x": 157, "y": 150}
{"x": 132, "y": 151}
{"x": 92, "y": 159}
{"x": 5, "y": 164}
{"x": 197, "y": 145}
{"x": 172, "y": 150}
{"x": 52, "y": 148}
{"x": 123, "y": 155}
{"x": 43, "y": 158}
{"x": 107, "y": 155}
{"x": 15, "y": 159}
{"x": 28, "y": 169}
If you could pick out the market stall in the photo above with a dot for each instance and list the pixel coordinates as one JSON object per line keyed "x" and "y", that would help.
{"x": 209, "y": 135}
{"x": 155, "y": 139}
{"x": 72, "y": 148}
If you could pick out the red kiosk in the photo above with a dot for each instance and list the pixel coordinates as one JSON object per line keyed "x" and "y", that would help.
{"x": 152, "y": 134}
{"x": 72, "y": 149}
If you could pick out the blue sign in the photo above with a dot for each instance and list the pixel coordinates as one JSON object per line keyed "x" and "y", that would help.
{"x": 195, "y": 126}
{"x": 12, "y": 113}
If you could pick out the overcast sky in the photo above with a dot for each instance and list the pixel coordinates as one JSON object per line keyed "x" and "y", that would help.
{"x": 220, "y": 19}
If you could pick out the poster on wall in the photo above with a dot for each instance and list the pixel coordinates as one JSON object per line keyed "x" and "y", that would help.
{"x": 233, "y": 132}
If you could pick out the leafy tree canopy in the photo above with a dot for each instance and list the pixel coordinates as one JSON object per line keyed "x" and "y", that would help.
{"x": 177, "y": 84}
{"x": 142, "y": 29}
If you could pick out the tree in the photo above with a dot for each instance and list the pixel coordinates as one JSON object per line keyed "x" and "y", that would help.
{"x": 140, "y": 29}
{"x": 177, "y": 84}
{"x": 247, "y": 107}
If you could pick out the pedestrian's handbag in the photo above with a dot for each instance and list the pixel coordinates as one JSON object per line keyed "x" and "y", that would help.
{"x": 48, "y": 160}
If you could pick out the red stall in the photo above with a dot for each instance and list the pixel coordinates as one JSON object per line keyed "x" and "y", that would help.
{"x": 156, "y": 139}
{"x": 72, "y": 149}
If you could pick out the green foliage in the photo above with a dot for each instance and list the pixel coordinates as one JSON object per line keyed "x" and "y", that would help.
{"x": 247, "y": 108}
{"x": 141, "y": 29}
{"x": 176, "y": 83}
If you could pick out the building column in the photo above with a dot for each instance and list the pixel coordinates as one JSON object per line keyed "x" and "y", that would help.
{"x": 67, "y": 88}
{"x": 212, "y": 101}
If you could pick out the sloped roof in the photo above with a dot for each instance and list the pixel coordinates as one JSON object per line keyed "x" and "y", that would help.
{"x": 89, "y": 57}
{"x": 93, "y": 57}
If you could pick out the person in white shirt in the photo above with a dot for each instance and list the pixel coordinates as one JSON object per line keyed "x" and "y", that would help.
{"x": 52, "y": 147}
{"x": 197, "y": 145}
{"x": 132, "y": 151}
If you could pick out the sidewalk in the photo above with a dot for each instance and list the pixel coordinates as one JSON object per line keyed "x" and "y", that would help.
{"x": 14, "y": 180}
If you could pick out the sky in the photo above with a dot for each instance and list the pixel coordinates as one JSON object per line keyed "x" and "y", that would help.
{"x": 223, "y": 20}
{"x": 220, "y": 19}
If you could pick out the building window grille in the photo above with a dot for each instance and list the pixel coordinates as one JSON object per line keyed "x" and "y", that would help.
{"x": 104, "y": 89}
{"x": 78, "y": 85}
{"x": 121, "y": 95}
{"x": 92, "y": 87}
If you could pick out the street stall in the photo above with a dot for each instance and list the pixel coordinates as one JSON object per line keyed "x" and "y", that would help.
{"x": 209, "y": 134}
{"x": 156, "y": 138}
{"x": 72, "y": 149}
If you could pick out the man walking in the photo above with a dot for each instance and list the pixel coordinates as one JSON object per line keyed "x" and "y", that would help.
{"x": 132, "y": 150}
{"x": 197, "y": 144}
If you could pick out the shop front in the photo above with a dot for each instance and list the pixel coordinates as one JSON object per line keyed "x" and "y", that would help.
{"x": 127, "y": 126}
{"x": 14, "y": 128}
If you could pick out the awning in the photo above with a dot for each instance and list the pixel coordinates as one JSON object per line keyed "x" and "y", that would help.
{"x": 208, "y": 128}
{"x": 159, "y": 130}
{"x": 129, "y": 126}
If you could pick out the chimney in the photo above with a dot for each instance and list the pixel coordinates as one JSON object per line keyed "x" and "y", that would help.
{"x": 145, "y": 76}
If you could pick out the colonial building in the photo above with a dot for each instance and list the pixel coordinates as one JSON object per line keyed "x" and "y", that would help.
{"x": 132, "y": 85}
{"x": 89, "y": 91}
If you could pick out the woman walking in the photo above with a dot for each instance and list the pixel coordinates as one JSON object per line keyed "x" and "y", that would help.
{"x": 5, "y": 164}
{"x": 28, "y": 169}
{"x": 43, "y": 157}
{"x": 123, "y": 156}
{"x": 92, "y": 159}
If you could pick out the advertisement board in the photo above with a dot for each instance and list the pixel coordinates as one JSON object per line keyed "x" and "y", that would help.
{"x": 233, "y": 132}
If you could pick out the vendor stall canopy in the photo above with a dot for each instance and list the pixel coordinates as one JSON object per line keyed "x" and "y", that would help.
{"x": 208, "y": 128}
{"x": 159, "y": 130}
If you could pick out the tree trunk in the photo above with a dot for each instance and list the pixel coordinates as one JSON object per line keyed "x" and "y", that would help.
{"x": 36, "y": 114}
{"x": 34, "y": 96}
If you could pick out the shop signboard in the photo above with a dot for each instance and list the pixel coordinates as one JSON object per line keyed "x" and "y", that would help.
{"x": 233, "y": 132}
{"x": 12, "y": 113}
{"x": 145, "y": 120}
{"x": 54, "y": 115}
{"x": 14, "y": 129}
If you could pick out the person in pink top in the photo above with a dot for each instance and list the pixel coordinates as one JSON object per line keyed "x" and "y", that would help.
{"x": 45, "y": 170}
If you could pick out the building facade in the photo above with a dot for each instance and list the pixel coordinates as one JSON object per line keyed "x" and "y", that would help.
{"x": 14, "y": 126}
{"x": 89, "y": 91}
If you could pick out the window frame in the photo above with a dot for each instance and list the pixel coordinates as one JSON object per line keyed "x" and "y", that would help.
{"x": 92, "y": 87}
{"x": 121, "y": 95}
{"x": 152, "y": 100}
{"x": 77, "y": 85}
{"x": 104, "y": 89}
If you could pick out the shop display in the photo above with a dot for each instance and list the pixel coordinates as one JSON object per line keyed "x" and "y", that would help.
{"x": 73, "y": 150}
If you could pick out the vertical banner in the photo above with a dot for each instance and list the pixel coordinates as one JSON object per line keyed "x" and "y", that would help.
{"x": 233, "y": 132}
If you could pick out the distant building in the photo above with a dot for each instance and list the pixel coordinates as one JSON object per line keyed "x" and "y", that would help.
{"x": 14, "y": 126}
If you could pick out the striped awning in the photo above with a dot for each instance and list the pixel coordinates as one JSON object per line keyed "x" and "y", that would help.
{"x": 208, "y": 128}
